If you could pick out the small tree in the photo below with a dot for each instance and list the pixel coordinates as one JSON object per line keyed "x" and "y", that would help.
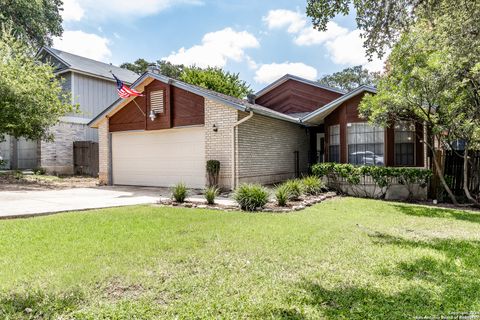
{"x": 31, "y": 97}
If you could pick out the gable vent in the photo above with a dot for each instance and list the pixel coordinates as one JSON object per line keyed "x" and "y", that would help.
{"x": 157, "y": 102}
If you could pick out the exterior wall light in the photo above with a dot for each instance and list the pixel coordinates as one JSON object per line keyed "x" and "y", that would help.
{"x": 152, "y": 115}
{"x": 215, "y": 128}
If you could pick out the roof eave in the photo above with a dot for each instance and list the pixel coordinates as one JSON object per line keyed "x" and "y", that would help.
{"x": 330, "y": 107}
{"x": 287, "y": 77}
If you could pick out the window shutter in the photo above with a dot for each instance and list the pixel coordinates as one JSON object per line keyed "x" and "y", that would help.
{"x": 157, "y": 103}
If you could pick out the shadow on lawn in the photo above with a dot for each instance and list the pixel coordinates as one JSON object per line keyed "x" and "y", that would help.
{"x": 38, "y": 305}
{"x": 439, "y": 286}
{"x": 420, "y": 211}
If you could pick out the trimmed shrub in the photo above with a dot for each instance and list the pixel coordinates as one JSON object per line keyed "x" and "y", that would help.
{"x": 295, "y": 189}
{"x": 179, "y": 192}
{"x": 282, "y": 194}
{"x": 383, "y": 177}
{"x": 251, "y": 196}
{"x": 213, "y": 169}
{"x": 210, "y": 194}
{"x": 312, "y": 185}
{"x": 39, "y": 171}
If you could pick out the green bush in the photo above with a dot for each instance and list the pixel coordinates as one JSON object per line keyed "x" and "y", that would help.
{"x": 18, "y": 174}
{"x": 179, "y": 192}
{"x": 210, "y": 194}
{"x": 312, "y": 185}
{"x": 282, "y": 194}
{"x": 251, "y": 196}
{"x": 295, "y": 189}
{"x": 39, "y": 171}
{"x": 383, "y": 177}
{"x": 213, "y": 169}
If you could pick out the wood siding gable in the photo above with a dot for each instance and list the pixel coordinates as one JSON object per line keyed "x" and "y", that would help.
{"x": 296, "y": 97}
{"x": 182, "y": 108}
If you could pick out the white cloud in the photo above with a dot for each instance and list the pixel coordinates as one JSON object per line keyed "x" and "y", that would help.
{"x": 309, "y": 36}
{"x": 84, "y": 44}
{"x": 347, "y": 49}
{"x": 344, "y": 47}
{"x": 268, "y": 73}
{"x": 216, "y": 49}
{"x": 127, "y": 9}
{"x": 281, "y": 18}
{"x": 72, "y": 11}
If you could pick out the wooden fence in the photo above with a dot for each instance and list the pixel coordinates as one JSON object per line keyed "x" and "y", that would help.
{"x": 85, "y": 158}
{"x": 453, "y": 171}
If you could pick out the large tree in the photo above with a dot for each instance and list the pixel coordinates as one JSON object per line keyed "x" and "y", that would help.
{"x": 35, "y": 21}
{"x": 31, "y": 97}
{"x": 350, "y": 78}
{"x": 429, "y": 83}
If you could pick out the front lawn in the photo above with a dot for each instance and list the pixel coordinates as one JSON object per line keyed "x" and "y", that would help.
{"x": 345, "y": 258}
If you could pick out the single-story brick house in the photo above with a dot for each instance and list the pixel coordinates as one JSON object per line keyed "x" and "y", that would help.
{"x": 167, "y": 135}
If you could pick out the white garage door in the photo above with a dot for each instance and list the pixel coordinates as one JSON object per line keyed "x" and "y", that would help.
{"x": 159, "y": 158}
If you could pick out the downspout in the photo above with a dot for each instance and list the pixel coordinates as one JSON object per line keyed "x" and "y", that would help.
{"x": 233, "y": 146}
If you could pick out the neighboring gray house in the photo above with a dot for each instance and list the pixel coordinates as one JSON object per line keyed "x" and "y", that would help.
{"x": 93, "y": 88}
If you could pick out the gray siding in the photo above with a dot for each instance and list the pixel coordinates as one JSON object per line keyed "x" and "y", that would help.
{"x": 92, "y": 94}
{"x": 66, "y": 79}
{"x": 5, "y": 152}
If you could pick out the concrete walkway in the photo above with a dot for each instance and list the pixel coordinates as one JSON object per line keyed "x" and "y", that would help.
{"x": 16, "y": 204}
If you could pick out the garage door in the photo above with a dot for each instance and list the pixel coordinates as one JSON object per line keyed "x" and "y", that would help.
{"x": 159, "y": 158}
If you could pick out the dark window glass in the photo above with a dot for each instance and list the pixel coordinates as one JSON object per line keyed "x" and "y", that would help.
{"x": 334, "y": 144}
{"x": 404, "y": 144}
{"x": 365, "y": 144}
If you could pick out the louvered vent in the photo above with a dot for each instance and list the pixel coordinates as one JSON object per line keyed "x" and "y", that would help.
{"x": 157, "y": 103}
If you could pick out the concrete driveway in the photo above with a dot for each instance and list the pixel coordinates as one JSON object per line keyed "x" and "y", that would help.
{"x": 30, "y": 203}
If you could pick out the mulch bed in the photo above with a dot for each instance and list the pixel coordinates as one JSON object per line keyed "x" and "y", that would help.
{"x": 271, "y": 206}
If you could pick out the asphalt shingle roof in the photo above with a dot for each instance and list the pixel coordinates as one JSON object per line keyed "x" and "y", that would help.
{"x": 92, "y": 66}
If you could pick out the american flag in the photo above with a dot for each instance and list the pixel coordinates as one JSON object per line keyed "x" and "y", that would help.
{"x": 125, "y": 92}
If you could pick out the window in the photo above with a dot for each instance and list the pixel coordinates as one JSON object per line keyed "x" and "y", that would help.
{"x": 334, "y": 143}
{"x": 365, "y": 144}
{"x": 404, "y": 144}
{"x": 157, "y": 103}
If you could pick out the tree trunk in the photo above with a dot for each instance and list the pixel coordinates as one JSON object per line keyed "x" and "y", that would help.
{"x": 440, "y": 175}
{"x": 465, "y": 178}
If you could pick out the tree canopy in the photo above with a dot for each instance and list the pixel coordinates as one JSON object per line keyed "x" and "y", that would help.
{"x": 216, "y": 79}
{"x": 31, "y": 97}
{"x": 34, "y": 21}
{"x": 430, "y": 80}
{"x": 382, "y": 22}
{"x": 350, "y": 78}
{"x": 166, "y": 68}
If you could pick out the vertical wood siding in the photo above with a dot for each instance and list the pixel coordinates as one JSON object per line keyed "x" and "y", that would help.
{"x": 92, "y": 94}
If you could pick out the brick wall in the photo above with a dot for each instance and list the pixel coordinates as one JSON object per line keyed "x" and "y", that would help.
{"x": 266, "y": 149}
{"x": 57, "y": 156}
{"x": 103, "y": 152}
{"x": 219, "y": 144}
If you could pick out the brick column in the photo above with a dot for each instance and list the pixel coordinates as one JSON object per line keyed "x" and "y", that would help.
{"x": 218, "y": 144}
{"x": 104, "y": 154}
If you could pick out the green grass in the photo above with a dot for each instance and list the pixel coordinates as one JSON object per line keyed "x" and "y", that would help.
{"x": 347, "y": 258}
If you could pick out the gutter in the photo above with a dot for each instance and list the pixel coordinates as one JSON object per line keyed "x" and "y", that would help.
{"x": 235, "y": 125}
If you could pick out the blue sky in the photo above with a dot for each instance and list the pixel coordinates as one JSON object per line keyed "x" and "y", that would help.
{"x": 261, "y": 40}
